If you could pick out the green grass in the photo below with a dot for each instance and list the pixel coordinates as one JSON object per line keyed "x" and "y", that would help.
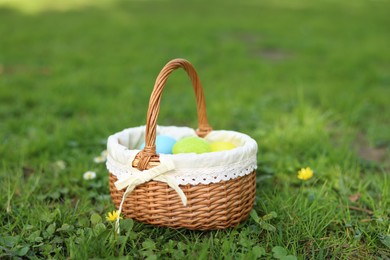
{"x": 308, "y": 80}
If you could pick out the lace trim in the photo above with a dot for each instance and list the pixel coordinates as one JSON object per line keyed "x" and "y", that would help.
{"x": 195, "y": 176}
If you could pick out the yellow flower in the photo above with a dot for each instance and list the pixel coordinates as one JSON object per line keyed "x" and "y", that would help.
{"x": 305, "y": 174}
{"x": 112, "y": 216}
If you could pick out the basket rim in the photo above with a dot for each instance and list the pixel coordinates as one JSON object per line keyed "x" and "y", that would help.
{"x": 190, "y": 168}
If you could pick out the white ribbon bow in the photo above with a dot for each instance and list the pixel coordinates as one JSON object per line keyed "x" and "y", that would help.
{"x": 139, "y": 177}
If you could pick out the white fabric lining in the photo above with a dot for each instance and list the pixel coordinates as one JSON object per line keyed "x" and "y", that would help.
{"x": 190, "y": 168}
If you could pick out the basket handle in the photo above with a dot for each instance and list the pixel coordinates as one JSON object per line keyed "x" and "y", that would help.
{"x": 204, "y": 128}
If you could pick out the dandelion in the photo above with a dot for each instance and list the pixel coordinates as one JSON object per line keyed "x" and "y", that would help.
{"x": 112, "y": 216}
{"x": 89, "y": 175}
{"x": 305, "y": 174}
{"x": 101, "y": 158}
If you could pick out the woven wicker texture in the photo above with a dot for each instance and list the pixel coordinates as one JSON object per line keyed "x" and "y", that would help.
{"x": 212, "y": 206}
{"x": 148, "y": 154}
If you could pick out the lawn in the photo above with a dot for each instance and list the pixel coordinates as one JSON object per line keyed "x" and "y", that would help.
{"x": 308, "y": 80}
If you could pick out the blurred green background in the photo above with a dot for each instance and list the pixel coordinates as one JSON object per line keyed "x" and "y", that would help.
{"x": 309, "y": 80}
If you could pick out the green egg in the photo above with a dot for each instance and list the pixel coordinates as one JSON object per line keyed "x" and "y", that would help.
{"x": 191, "y": 144}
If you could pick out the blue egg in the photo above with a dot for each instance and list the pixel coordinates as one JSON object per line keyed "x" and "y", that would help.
{"x": 164, "y": 144}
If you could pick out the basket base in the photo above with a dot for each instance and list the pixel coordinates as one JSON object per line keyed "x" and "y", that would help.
{"x": 209, "y": 206}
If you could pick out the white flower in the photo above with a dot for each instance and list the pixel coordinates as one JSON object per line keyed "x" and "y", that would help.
{"x": 104, "y": 153}
{"x": 61, "y": 165}
{"x": 89, "y": 175}
{"x": 101, "y": 158}
{"x": 98, "y": 159}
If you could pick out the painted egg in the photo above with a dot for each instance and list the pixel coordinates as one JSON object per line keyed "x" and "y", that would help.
{"x": 191, "y": 144}
{"x": 221, "y": 146}
{"x": 164, "y": 144}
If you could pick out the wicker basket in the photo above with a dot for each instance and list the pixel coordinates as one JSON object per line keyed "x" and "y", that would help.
{"x": 216, "y": 205}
